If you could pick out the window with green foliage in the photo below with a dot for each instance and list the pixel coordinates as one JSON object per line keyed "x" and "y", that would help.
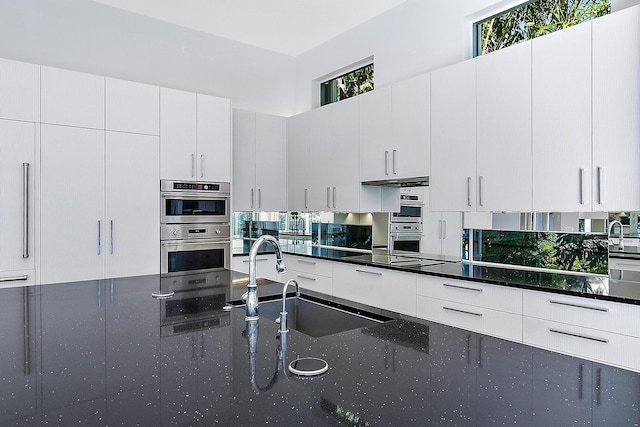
{"x": 533, "y": 19}
{"x": 347, "y": 85}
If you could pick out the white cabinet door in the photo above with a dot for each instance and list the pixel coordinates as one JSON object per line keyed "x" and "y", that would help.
{"x": 452, "y": 234}
{"x": 72, "y": 98}
{"x": 132, "y": 220}
{"x": 244, "y": 160}
{"x": 504, "y": 129}
{"x": 411, "y": 124}
{"x": 562, "y": 120}
{"x": 19, "y": 91}
{"x": 616, "y": 108}
{"x": 17, "y": 147}
{"x": 453, "y": 138}
{"x": 375, "y": 134}
{"x": 271, "y": 163}
{"x": 317, "y": 168}
{"x": 213, "y": 124}
{"x": 299, "y": 159}
{"x": 177, "y": 134}
{"x": 132, "y": 107}
{"x": 72, "y": 204}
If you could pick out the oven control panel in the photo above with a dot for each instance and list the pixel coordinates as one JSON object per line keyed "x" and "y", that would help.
{"x": 198, "y": 187}
{"x": 195, "y": 231}
{"x": 406, "y": 227}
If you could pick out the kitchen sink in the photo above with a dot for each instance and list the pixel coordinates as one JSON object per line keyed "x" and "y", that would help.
{"x": 317, "y": 318}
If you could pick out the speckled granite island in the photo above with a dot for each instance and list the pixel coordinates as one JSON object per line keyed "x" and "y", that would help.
{"x": 107, "y": 353}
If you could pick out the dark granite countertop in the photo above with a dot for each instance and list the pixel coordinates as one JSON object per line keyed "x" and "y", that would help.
{"x": 101, "y": 353}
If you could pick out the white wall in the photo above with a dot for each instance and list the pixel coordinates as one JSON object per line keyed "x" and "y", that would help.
{"x": 86, "y": 36}
{"x": 415, "y": 37}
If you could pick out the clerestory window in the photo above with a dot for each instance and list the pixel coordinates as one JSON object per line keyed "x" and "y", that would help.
{"x": 347, "y": 85}
{"x": 533, "y": 19}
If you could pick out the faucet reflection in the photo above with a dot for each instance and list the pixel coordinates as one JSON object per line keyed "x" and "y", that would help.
{"x": 621, "y": 239}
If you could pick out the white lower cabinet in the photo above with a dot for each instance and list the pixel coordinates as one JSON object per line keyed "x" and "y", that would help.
{"x": 489, "y": 309}
{"x": 87, "y": 232}
{"x": 597, "y": 330}
{"x": 310, "y": 273}
{"x": 17, "y": 179}
{"x": 378, "y": 287}
{"x": 265, "y": 266}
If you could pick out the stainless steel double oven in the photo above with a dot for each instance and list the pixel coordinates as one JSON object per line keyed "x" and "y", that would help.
{"x": 405, "y": 228}
{"x": 195, "y": 233}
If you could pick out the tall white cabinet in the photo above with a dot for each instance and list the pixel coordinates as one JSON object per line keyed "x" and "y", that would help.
{"x": 195, "y": 136}
{"x": 259, "y": 162}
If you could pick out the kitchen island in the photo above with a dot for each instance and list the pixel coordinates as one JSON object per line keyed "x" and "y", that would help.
{"x": 106, "y": 352}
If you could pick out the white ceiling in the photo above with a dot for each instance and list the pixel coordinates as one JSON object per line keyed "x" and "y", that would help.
{"x": 290, "y": 27}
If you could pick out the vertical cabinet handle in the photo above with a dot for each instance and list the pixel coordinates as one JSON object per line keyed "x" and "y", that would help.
{"x": 386, "y": 162}
{"x": 328, "y": 197}
{"x": 439, "y": 229}
{"x": 600, "y": 177}
{"x": 201, "y": 165}
{"x": 252, "y": 199}
{"x": 444, "y": 229}
{"x": 334, "y": 197}
{"x": 193, "y": 165}
{"x": 259, "y": 198}
{"x": 111, "y": 237}
{"x": 395, "y": 162}
{"x": 480, "y": 180}
{"x": 469, "y": 191}
{"x": 25, "y": 210}
{"x": 582, "y": 186}
{"x": 306, "y": 198}
{"x": 99, "y": 237}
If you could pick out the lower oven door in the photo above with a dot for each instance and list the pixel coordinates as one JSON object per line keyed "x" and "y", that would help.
{"x": 181, "y": 256}
{"x": 406, "y": 242}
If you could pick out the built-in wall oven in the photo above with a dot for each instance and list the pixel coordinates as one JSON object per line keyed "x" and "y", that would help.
{"x": 405, "y": 227}
{"x": 195, "y": 234}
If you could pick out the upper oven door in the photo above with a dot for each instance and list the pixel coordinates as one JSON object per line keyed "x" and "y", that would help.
{"x": 184, "y": 208}
{"x": 191, "y": 256}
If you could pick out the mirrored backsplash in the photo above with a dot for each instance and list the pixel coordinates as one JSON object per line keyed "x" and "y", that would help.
{"x": 579, "y": 252}
{"x": 343, "y": 235}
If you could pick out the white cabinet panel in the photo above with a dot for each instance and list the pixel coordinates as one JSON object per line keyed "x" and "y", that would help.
{"x": 17, "y": 147}
{"x": 72, "y": 98}
{"x": 616, "y": 108}
{"x": 133, "y": 205}
{"x": 453, "y": 138}
{"x": 264, "y": 266}
{"x": 19, "y": 91}
{"x": 213, "y": 138}
{"x": 177, "y": 134}
{"x": 72, "y": 204}
{"x": 375, "y": 134}
{"x": 132, "y": 107}
{"x": 271, "y": 162}
{"x": 298, "y": 153}
{"x": 504, "y": 129}
{"x": 562, "y": 120}
{"x": 244, "y": 160}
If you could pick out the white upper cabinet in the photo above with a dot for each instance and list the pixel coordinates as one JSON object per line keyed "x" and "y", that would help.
{"x": 19, "y": 91}
{"x": 195, "y": 136}
{"x": 453, "y": 138}
{"x": 411, "y": 125}
{"x": 616, "y": 111}
{"x": 259, "y": 162}
{"x": 72, "y": 98}
{"x": 17, "y": 200}
{"x": 213, "y": 138}
{"x": 132, "y": 107}
{"x": 504, "y": 129}
{"x": 299, "y": 161}
{"x": 395, "y": 130}
{"x": 562, "y": 120}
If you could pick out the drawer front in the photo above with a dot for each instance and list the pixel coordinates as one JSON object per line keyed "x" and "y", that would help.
{"x": 478, "y": 319}
{"x": 309, "y": 265}
{"x": 624, "y": 264}
{"x": 495, "y": 297}
{"x": 313, "y": 282}
{"x": 600, "y": 315}
{"x": 265, "y": 266}
{"x": 377, "y": 287}
{"x": 601, "y": 346}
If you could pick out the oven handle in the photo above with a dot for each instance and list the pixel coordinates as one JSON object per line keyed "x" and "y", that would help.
{"x": 199, "y": 242}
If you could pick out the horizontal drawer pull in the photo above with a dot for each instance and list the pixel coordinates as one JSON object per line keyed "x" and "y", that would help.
{"x": 571, "y": 304}
{"x": 462, "y": 287}
{"x": 573, "y": 334}
{"x": 303, "y": 261}
{"x": 463, "y": 311}
{"x": 306, "y": 277}
{"x": 257, "y": 259}
{"x": 369, "y": 272}
{"x": 13, "y": 279}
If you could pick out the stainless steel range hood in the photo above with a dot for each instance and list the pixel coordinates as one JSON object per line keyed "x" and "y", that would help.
{"x": 417, "y": 181}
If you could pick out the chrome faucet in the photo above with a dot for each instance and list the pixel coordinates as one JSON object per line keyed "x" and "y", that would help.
{"x": 621, "y": 240}
{"x": 283, "y": 313}
{"x": 251, "y": 296}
